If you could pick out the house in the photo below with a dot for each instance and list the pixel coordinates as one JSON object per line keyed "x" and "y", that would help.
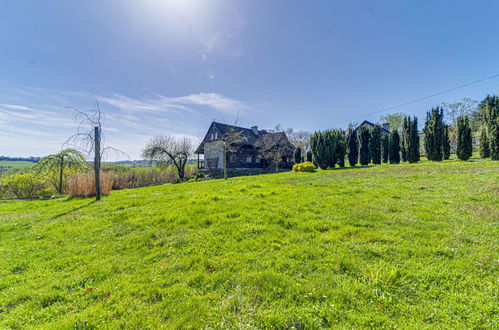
{"x": 246, "y": 147}
{"x": 385, "y": 128}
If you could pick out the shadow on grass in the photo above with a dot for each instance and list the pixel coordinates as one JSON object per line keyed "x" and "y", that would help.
{"x": 72, "y": 210}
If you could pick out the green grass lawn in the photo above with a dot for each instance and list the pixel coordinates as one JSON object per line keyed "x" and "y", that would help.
{"x": 394, "y": 246}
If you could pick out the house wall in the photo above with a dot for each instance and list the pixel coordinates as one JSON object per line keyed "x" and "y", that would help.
{"x": 214, "y": 150}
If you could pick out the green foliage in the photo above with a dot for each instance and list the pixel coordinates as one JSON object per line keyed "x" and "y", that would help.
{"x": 446, "y": 146}
{"x": 353, "y": 147}
{"x": 407, "y": 247}
{"x": 59, "y": 166}
{"x": 484, "y": 143}
{"x": 25, "y": 185}
{"x": 489, "y": 109}
{"x": 304, "y": 167}
{"x": 375, "y": 144}
{"x": 394, "y": 119}
{"x": 328, "y": 148}
{"x": 385, "y": 147}
{"x": 413, "y": 141}
{"x": 297, "y": 155}
{"x": 435, "y": 134}
{"x": 364, "y": 137}
{"x": 404, "y": 143}
{"x": 394, "y": 155}
{"x": 464, "y": 140}
{"x": 309, "y": 156}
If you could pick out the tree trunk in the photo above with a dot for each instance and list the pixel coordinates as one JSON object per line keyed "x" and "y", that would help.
{"x": 97, "y": 163}
{"x": 60, "y": 175}
{"x": 277, "y": 166}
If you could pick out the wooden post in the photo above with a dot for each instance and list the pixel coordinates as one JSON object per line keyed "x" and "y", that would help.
{"x": 97, "y": 163}
{"x": 198, "y": 161}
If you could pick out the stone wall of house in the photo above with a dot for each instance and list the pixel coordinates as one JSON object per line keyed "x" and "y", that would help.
{"x": 213, "y": 154}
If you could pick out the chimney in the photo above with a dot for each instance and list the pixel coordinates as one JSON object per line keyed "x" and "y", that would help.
{"x": 386, "y": 126}
{"x": 254, "y": 129}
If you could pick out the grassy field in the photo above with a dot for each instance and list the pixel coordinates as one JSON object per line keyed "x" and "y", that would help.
{"x": 395, "y": 246}
{"x": 16, "y": 163}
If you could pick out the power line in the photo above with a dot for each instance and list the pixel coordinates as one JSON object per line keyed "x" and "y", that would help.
{"x": 422, "y": 98}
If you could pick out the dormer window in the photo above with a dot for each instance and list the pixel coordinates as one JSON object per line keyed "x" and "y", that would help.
{"x": 214, "y": 135}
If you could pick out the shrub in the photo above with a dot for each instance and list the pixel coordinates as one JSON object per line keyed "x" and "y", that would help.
{"x": 304, "y": 167}
{"x": 83, "y": 184}
{"x": 25, "y": 185}
{"x": 297, "y": 155}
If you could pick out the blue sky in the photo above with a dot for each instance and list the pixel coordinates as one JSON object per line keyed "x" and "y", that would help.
{"x": 171, "y": 67}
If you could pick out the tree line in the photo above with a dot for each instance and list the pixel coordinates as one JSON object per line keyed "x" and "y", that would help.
{"x": 363, "y": 145}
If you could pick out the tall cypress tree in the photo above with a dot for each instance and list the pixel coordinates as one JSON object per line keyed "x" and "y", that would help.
{"x": 341, "y": 147}
{"x": 489, "y": 109}
{"x": 364, "y": 136}
{"x": 309, "y": 156}
{"x": 464, "y": 142}
{"x": 353, "y": 147}
{"x": 484, "y": 143}
{"x": 413, "y": 141}
{"x": 297, "y": 155}
{"x": 319, "y": 150}
{"x": 446, "y": 146}
{"x": 385, "y": 147}
{"x": 394, "y": 156}
{"x": 434, "y": 134}
{"x": 404, "y": 148}
{"x": 375, "y": 144}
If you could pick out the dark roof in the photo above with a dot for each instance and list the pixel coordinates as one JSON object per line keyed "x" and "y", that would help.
{"x": 367, "y": 122}
{"x": 263, "y": 140}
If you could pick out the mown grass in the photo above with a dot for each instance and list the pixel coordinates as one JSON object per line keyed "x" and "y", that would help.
{"x": 405, "y": 246}
{"x": 16, "y": 163}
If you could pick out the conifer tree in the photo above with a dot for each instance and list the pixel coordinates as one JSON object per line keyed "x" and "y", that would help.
{"x": 309, "y": 156}
{"x": 319, "y": 150}
{"x": 464, "y": 141}
{"x": 446, "y": 146}
{"x": 364, "y": 136}
{"x": 375, "y": 145}
{"x": 297, "y": 155}
{"x": 404, "y": 145}
{"x": 413, "y": 141}
{"x": 385, "y": 147}
{"x": 340, "y": 147}
{"x": 353, "y": 147}
{"x": 489, "y": 108}
{"x": 434, "y": 134}
{"x": 484, "y": 143}
{"x": 394, "y": 155}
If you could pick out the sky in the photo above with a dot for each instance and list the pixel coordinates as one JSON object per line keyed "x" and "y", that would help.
{"x": 159, "y": 67}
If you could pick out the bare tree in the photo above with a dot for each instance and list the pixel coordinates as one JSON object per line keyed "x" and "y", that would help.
{"x": 166, "y": 151}
{"x": 88, "y": 138}
{"x": 298, "y": 138}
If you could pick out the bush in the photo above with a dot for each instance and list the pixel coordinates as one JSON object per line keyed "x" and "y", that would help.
{"x": 83, "y": 184}
{"x": 304, "y": 167}
{"x": 25, "y": 185}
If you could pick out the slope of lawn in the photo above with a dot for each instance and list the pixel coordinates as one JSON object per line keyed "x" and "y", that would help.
{"x": 406, "y": 246}
{"x": 16, "y": 163}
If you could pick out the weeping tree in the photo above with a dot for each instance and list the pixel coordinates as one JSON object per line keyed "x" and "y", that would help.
{"x": 167, "y": 151}
{"x": 375, "y": 144}
{"x": 385, "y": 147}
{"x": 364, "y": 136}
{"x": 464, "y": 141}
{"x": 394, "y": 155}
{"x": 60, "y": 165}
{"x": 353, "y": 147}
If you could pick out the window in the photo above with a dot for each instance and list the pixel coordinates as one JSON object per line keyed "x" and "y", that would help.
{"x": 248, "y": 159}
{"x": 257, "y": 160}
{"x": 214, "y": 135}
{"x": 232, "y": 158}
